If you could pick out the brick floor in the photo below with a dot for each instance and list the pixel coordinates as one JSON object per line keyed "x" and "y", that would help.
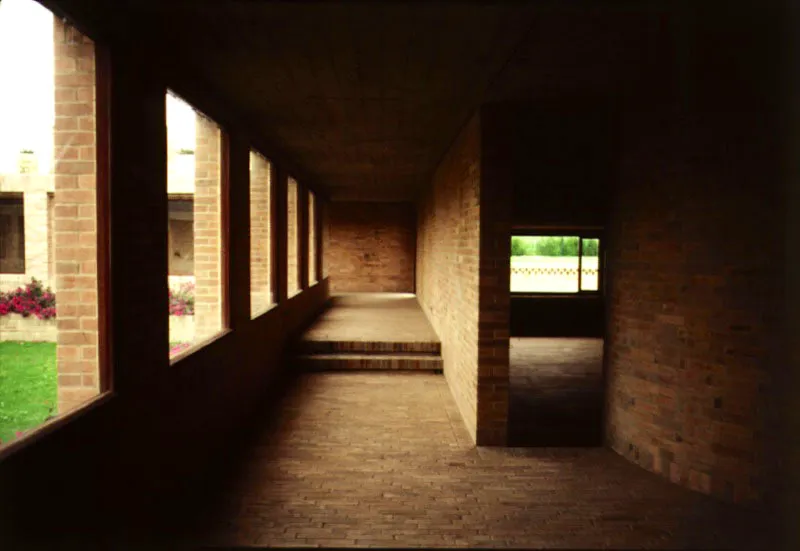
{"x": 374, "y": 331}
{"x": 374, "y": 318}
{"x": 368, "y": 459}
{"x": 556, "y": 392}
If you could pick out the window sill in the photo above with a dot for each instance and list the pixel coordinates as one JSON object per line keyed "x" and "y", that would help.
{"x": 520, "y": 294}
{"x": 263, "y": 311}
{"x": 198, "y": 346}
{"x": 54, "y": 424}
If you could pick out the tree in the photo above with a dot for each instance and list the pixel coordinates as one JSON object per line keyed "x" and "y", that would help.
{"x": 518, "y": 247}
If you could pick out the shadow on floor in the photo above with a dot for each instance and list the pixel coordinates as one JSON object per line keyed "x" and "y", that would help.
{"x": 556, "y": 392}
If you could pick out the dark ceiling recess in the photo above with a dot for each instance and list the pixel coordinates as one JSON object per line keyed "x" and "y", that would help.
{"x": 363, "y": 98}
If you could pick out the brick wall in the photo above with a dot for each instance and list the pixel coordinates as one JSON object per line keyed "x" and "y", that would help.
{"x": 324, "y": 218}
{"x": 695, "y": 267}
{"x": 312, "y": 238}
{"x": 74, "y": 218}
{"x": 293, "y": 238}
{"x": 371, "y": 247}
{"x": 207, "y": 229}
{"x": 696, "y": 263}
{"x": 496, "y": 206}
{"x": 448, "y": 266}
{"x": 172, "y": 408}
{"x": 260, "y": 245}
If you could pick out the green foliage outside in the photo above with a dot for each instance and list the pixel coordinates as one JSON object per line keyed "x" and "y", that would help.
{"x": 551, "y": 245}
{"x": 28, "y": 386}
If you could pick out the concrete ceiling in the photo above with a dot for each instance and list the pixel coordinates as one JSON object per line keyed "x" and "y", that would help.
{"x": 366, "y": 97}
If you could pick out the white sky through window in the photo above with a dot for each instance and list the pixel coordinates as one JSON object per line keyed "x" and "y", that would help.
{"x": 181, "y": 121}
{"x": 27, "y": 90}
{"x": 26, "y": 83}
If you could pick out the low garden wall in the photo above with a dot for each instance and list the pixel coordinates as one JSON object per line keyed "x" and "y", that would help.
{"x": 181, "y": 328}
{"x": 14, "y": 327}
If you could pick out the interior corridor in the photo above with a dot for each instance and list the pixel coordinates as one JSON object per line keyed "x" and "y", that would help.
{"x": 284, "y": 317}
{"x": 371, "y": 459}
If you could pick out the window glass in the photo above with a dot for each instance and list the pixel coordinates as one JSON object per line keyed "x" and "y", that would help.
{"x": 12, "y": 235}
{"x": 590, "y": 257}
{"x": 194, "y": 185}
{"x": 50, "y": 307}
{"x": 553, "y": 264}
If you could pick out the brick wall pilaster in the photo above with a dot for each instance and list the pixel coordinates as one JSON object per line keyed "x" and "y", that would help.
{"x": 325, "y": 238}
{"x": 312, "y": 239}
{"x": 292, "y": 238}
{"x": 207, "y": 229}
{"x": 448, "y": 267}
{"x": 496, "y": 201}
{"x": 75, "y": 217}
{"x": 260, "y": 245}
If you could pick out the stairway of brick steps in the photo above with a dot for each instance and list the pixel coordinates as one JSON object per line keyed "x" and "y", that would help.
{"x": 363, "y": 355}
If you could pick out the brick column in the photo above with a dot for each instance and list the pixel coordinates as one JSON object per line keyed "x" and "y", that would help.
{"x": 260, "y": 246}
{"x": 312, "y": 239}
{"x": 207, "y": 230}
{"x": 36, "y": 235}
{"x": 325, "y": 238}
{"x": 293, "y": 241}
{"x": 74, "y": 217}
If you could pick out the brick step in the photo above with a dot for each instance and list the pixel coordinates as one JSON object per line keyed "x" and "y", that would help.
{"x": 368, "y": 347}
{"x": 342, "y": 362}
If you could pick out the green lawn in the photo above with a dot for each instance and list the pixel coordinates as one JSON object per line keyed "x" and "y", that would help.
{"x": 28, "y": 385}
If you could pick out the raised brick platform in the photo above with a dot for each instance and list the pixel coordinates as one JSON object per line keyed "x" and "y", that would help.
{"x": 371, "y": 331}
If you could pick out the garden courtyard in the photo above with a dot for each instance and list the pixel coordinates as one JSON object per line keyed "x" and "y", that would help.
{"x": 28, "y": 386}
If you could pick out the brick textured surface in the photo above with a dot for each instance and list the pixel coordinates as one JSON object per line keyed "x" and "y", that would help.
{"x": 383, "y": 460}
{"x": 693, "y": 307}
{"x": 312, "y": 238}
{"x": 207, "y": 228}
{"x": 369, "y": 362}
{"x": 462, "y": 282}
{"x": 261, "y": 292}
{"x": 74, "y": 218}
{"x": 496, "y": 202}
{"x": 371, "y": 247}
{"x": 448, "y": 266}
{"x": 293, "y": 238}
{"x": 556, "y": 392}
{"x": 372, "y": 322}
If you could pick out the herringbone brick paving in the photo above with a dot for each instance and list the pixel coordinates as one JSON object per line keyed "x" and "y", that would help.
{"x": 383, "y": 460}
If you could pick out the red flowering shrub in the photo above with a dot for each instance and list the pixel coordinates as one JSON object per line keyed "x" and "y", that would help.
{"x": 181, "y": 302}
{"x": 177, "y": 348}
{"x": 32, "y": 300}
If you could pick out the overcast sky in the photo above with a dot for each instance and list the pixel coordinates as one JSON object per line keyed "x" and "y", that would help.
{"x": 26, "y": 88}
